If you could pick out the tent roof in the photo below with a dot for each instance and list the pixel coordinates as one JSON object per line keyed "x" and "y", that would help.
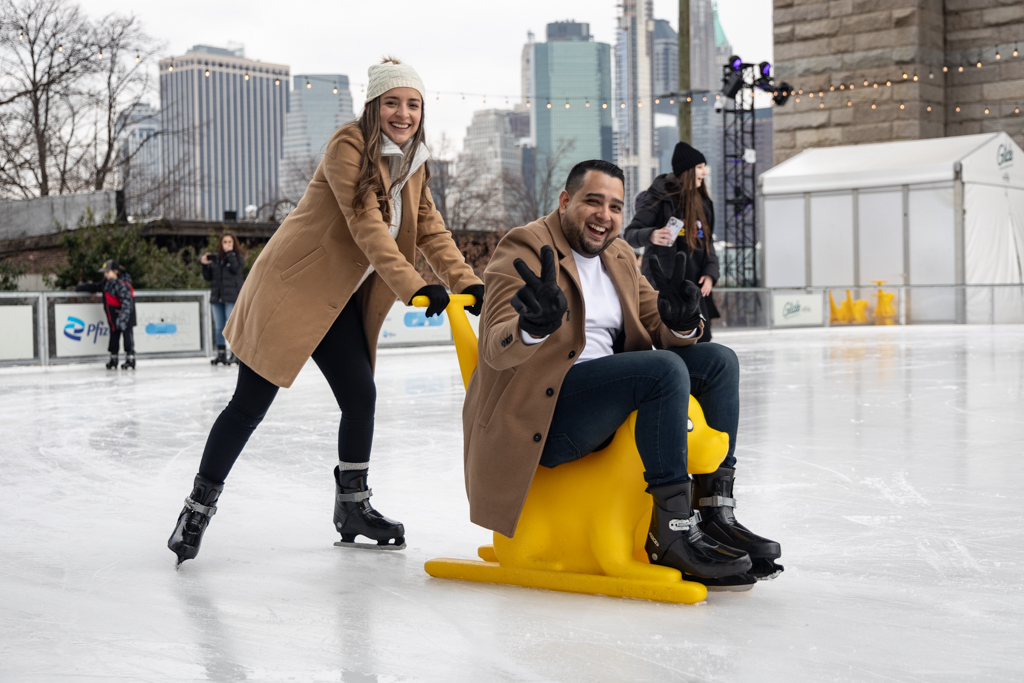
{"x": 882, "y": 164}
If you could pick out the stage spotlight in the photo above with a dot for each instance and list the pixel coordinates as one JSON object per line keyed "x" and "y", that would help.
{"x": 785, "y": 90}
{"x": 735, "y": 62}
{"x": 733, "y": 83}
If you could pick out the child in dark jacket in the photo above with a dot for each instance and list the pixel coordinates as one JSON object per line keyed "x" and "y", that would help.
{"x": 119, "y": 305}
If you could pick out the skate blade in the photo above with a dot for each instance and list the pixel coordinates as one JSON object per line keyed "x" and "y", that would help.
{"x": 765, "y": 569}
{"x": 369, "y": 546}
{"x": 742, "y": 588}
{"x": 685, "y": 592}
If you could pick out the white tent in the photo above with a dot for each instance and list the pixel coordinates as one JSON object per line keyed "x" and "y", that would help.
{"x": 942, "y": 211}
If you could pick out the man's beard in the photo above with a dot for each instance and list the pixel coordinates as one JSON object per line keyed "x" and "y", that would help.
{"x": 574, "y": 235}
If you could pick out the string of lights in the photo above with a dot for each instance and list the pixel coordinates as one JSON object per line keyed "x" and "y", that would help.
{"x": 977, "y": 58}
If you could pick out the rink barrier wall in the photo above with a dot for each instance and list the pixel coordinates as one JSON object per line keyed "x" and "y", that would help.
{"x": 52, "y": 328}
{"x": 32, "y": 334}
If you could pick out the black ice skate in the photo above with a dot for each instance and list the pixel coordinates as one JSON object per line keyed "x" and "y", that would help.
{"x": 194, "y": 518}
{"x": 354, "y": 516}
{"x": 712, "y": 496}
{"x": 129, "y": 362}
{"x": 676, "y": 540}
{"x": 221, "y": 356}
{"x": 112, "y": 363}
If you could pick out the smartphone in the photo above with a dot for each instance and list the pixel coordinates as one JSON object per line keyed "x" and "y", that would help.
{"x": 675, "y": 225}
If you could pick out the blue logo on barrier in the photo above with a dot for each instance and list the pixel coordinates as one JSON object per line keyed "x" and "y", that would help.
{"x": 419, "y": 319}
{"x": 161, "y": 328}
{"x": 74, "y": 328}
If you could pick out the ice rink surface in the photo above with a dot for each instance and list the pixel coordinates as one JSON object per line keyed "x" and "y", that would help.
{"x": 888, "y": 462}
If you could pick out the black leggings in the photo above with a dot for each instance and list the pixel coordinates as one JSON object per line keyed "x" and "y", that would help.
{"x": 345, "y": 361}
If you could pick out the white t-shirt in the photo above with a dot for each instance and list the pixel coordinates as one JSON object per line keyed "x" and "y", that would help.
{"x": 604, "y": 310}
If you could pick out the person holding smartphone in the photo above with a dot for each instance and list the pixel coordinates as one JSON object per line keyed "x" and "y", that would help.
{"x": 676, "y": 214}
{"x": 223, "y": 271}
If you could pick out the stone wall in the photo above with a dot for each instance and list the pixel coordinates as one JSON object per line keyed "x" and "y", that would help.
{"x": 828, "y": 49}
{"x": 977, "y": 29}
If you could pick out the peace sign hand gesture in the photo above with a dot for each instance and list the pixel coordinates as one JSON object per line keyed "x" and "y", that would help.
{"x": 540, "y": 302}
{"x": 678, "y": 298}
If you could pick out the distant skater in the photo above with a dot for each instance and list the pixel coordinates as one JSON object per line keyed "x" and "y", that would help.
{"x": 223, "y": 271}
{"x": 322, "y": 287}
{"x": 119, "y": 305}
{"x": 681, "y": 195}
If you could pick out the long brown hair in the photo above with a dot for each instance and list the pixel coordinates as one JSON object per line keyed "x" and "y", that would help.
{"x": 370, "y": 183}
{"x": 221, "y": 254}
{"x": 690, "y": 202}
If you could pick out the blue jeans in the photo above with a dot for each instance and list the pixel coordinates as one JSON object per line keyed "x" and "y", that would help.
{"x": 221, "y": 313}
{"x": 598, "y": 395}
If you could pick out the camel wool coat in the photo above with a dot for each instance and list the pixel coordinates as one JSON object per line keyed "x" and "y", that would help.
{"x": 512, "y": 394}
{"x": 311, "y": 266}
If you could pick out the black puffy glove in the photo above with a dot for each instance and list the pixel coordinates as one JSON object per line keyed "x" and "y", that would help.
{"x": 478, "y": 292}
{"x": 540, "y": 303}
{"x": 678, "y": 298}
{"x": 438, "y": 298}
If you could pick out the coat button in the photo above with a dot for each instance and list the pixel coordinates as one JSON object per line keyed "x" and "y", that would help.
{"x": 536, "y": 437}
{"x": 550, "y": 392}
{"x": 572, "y": 354}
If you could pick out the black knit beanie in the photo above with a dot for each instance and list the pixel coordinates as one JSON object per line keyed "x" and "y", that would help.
{"x": 685, "y": 157}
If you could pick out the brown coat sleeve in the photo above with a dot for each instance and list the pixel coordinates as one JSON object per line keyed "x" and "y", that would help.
{"x": 438, "y": 247}
{"x": 649, "y": 317}
{"x": 501, "y": 341}
{"x": 370, "y": 232}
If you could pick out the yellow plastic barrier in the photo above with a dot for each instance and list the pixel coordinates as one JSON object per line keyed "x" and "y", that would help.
{"x": 847, "y": 312}
{"x": 583, "y": 526}
{"x": 885, "y": 312}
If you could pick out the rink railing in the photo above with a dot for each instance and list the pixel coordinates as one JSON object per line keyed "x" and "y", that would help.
{"x": 49, "y": 328}
{"x": 785, "y": 307}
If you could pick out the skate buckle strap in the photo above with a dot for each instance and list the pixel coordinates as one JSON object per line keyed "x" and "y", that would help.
{"x": 684, "y": 524}
{"x": 347, "y": 466}
{"x": 208, "y": 510}
{"x": 354, "y": 497}
{"x": 717, "y": 502}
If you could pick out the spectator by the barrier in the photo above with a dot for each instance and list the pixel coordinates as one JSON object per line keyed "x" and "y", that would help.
{"x": 119, "y": 305}
{"x": 682, "y": 195}
{"x": 223, "y": 271}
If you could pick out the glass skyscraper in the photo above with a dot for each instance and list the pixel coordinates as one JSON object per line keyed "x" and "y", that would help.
{"x": 319, "y": 105}
{"x": 222, "y": 121}
{"x": 571, "y": 101}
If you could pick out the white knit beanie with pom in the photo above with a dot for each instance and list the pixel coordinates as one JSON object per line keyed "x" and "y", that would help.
{"x": 392, "y": 74}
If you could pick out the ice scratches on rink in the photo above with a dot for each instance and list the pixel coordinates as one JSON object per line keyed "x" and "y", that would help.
{"x": 886, "y": 461}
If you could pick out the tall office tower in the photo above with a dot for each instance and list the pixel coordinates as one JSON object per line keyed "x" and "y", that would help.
{"x": 490, "y": 156}
{"x": 138, "y": 165}
{"x": 526, "y": 71}
{"x": 223, "y": 121}
{"x": 665, "y": 66}
{"x": 636, "y": 149}
{"x": 571, "y": 104}
{"x": 705, "y": 66}
{"x": 319, "y": 105}
{"x": 723, "y": 50}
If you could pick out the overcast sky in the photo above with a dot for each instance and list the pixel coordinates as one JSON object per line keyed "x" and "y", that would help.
{"x": 471, "y": 47}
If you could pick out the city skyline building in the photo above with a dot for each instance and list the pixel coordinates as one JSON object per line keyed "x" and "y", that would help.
{"x": 571, "y": 98}
{"x": 223, "y": 122}
{"x": 635, "y": 141}
{"x": 318, "y": 106}
{"x": 665, "y": 66}
{"x": 491, "y": 157}
{"x": 138, "y": 165}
